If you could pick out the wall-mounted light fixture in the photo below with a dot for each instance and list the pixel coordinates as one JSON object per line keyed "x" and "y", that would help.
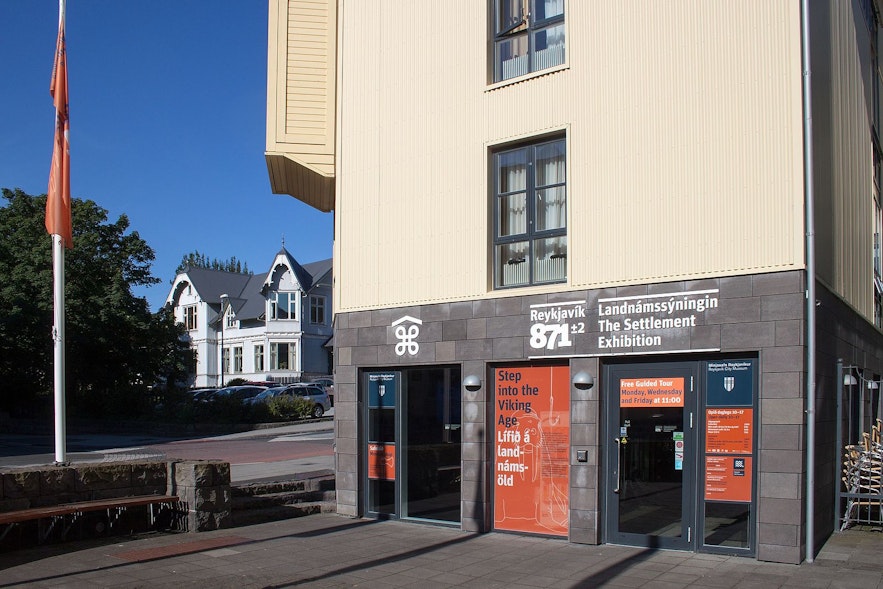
{"x": 472, "y": 383}
{"x": 583, "y": 380}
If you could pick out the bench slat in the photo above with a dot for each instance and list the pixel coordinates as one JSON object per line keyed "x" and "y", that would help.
{"x": 33, "y": 513}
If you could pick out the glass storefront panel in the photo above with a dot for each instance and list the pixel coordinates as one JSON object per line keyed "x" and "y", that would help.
{"x": 432, "y": 444}
{"x": 413, "y": 448}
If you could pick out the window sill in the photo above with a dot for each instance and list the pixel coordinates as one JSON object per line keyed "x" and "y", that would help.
{"x": 525, "y": 77}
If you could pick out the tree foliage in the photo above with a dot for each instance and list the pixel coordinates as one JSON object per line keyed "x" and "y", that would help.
{"x": 116, "y": 349}
{"x": 195, "y": 259}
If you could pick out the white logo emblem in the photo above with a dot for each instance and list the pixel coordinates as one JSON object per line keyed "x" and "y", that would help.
{"x": 407, "y": 336}
{"x": 729, "y": 383}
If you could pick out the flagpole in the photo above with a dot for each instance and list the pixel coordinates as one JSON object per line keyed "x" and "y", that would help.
{"x": 58, "y": 338}
{"x": 58, "y": 307}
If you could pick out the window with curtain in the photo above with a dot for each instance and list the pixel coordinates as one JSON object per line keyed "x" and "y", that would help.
{"x": 530, "y": 214}
{"x": 528, "y": 36}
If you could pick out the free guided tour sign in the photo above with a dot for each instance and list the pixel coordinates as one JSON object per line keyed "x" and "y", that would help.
{"x": 531, "y": 449}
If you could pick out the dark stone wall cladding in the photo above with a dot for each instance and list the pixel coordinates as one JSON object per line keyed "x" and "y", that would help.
{"x": 760, "y": 315}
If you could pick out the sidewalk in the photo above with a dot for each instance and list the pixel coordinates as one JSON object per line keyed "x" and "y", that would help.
{"x": 333, "y": 551}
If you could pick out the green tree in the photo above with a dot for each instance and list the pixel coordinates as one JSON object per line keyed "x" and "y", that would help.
{"x": 115, "y": 348}
{"x": 195, "y": 259}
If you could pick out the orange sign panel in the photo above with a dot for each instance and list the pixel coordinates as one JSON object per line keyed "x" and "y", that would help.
{"x": 651, "y": 392}
{"x": 531, "y": 449}
{"x": 381, "y": 461}
{"x": 728, "y": 478}
{"x": 729, "y": 431}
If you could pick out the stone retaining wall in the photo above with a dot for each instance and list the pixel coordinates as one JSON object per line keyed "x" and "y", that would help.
{"x": 202, "y": 485}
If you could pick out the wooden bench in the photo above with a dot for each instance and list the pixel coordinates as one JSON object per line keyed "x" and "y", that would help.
{"x": 68, "y": 514}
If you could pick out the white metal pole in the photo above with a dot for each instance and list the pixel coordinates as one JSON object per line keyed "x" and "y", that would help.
{"x": 58, "y": 320}
{"x": 58, "y": 339}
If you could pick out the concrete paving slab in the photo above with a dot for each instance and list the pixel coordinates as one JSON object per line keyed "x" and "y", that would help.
{"x": 332, "y": 551}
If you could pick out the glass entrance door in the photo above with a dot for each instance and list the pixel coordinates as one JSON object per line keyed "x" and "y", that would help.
{"x": 412, "y": 454}
{"x": 651, "y": 455}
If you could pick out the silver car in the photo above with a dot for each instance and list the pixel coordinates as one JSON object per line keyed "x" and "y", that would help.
{"x": 313, "y": 393}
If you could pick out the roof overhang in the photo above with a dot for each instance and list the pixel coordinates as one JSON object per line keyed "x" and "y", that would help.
{"x": 303, "y": 182}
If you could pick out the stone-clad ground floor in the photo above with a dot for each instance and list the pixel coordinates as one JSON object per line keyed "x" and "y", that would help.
{"x": 668, "y": 415}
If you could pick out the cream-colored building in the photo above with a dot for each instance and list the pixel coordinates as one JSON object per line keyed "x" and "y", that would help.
{"x": 593, "y": 222}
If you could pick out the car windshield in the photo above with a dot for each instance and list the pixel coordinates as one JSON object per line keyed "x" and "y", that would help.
{"x": 307, "y": 390}
{"x": 272, "y": 392}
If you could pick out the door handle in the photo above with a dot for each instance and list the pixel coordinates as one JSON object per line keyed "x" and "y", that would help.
{"x": 618, "y": 462}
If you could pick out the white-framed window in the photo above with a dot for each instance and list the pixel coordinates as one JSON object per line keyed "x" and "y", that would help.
{"x": 283, "y": 356}
{"x": 190, "y": 317}
{"x": 229, "y": 320}
{"x": 259, "y": 357}
{"x": 528, "y": 36}
{"x": 317, "y": 309}
{"x": 237, "y": 359}
{"x": 283, "y": 305}
{"x": 530, "y": 213}
{"x": 225, "y": 360}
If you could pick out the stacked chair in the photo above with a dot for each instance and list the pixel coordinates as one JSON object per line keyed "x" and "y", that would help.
{"x": 862, "y": 469}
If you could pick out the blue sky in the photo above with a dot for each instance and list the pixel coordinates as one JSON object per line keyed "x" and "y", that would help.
{"x": 168, "y": 121}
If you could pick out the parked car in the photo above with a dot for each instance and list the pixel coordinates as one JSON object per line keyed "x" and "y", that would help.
{"x": 328, "y": 384}
{"x": 202, "y": 394}
{"x": 240, "y": 392}
{"x": 313, "y": 393}
{"x": 266, "y": 395}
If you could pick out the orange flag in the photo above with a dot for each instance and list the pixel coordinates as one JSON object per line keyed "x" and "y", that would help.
{"x": 58, "y": 201}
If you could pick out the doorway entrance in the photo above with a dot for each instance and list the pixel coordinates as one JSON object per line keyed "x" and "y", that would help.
{"x": 679, "y": 449}
{"x": 652, "y": 442}
{"x": 412, "y": 459}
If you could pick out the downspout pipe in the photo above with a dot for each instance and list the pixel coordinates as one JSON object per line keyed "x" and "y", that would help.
{"x": 809, "y": 212}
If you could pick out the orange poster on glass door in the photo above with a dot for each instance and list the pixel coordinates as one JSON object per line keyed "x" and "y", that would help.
{"x": 531, "y": 449}
{"x": 381, "y": 461}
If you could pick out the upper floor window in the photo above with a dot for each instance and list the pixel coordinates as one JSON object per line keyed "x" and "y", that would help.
{"x": 283, "y": 305}
{"x": 530, "y": 214}
{"x": 190, "y": 317}
{"x": 229, "y": 320}
{"x": 528, "y": 36}
{"x": 317, "y": 310}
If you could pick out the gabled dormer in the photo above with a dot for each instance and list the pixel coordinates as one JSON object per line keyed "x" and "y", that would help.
{"x": 284, "y": 287}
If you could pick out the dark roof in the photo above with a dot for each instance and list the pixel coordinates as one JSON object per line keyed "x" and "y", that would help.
{"x": 246, "y": 291}
{"x": 211, "y": 284}
{"x": 307, "y": 275}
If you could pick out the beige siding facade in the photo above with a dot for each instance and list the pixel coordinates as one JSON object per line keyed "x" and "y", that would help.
{"x": 301, "y": 100}
{"x": 684, "y": 144}
{"x": 843, "y": 98}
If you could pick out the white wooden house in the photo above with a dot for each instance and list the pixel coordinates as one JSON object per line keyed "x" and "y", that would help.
{"x": 268, "y": 327}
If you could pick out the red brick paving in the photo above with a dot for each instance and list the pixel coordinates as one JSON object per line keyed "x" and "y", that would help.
{"x": 179, "y": 549}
